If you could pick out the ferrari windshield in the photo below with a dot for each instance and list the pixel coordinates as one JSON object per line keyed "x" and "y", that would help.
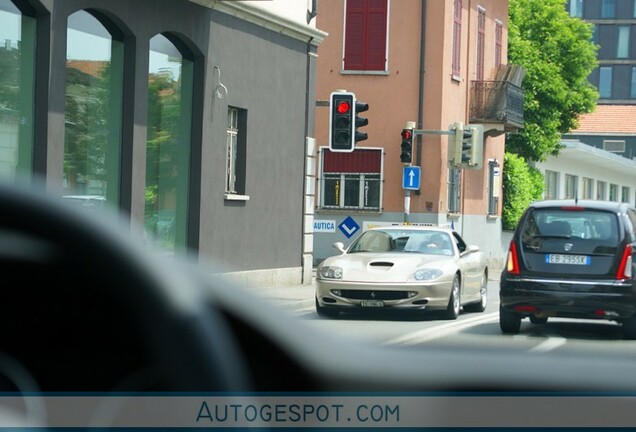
{"x": 400, "y": 240}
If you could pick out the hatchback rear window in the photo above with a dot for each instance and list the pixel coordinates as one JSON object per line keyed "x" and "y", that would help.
{"x": 581, "y": 242}
{"x": 586, "y": 224}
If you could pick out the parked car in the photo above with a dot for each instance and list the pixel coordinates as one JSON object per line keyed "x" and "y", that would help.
{"x": 406, "y": 268}
{"x": 571, "y": 259}
{"x": 89, "y": 203}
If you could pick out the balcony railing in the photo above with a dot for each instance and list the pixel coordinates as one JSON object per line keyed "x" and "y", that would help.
{"x": 498, "y": 102}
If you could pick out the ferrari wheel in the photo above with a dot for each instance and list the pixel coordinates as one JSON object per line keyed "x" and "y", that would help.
{"x": 454, "y": 305}
{"x": 483, "y": 297}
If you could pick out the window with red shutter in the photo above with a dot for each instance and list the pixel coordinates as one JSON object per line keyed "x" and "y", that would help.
{"x": 498, "y": 43}
{"x": 351, "y": 180}
{"x": 365, "y": 35}
{"x": 481, "y": 42}
{"x": 457, "y": 38}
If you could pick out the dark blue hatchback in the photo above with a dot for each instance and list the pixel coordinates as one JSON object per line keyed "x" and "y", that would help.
{"x": 571, "y": 259}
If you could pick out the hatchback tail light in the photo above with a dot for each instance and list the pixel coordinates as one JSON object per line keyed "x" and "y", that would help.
{"x": 625, "y": 267}
{"x": 512, "y": 264}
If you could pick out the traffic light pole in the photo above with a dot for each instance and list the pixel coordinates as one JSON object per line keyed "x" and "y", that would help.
{"x": 415, "y": 132}
{"x": 465, "y": 150}
{"x": 432, "y": 132}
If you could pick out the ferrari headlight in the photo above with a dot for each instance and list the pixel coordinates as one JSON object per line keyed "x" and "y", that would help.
{"x": 330, "y": 272}
{"x": 426, "y": 274}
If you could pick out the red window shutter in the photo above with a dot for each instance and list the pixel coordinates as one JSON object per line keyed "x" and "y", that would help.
{"x": 481, "y": 41}
{"x": 365, "y": 35}
{"x": 354, "y": 37}
{"x": 498, "y": 43}
{"x": 376, "y": 34}
{"x": 359, "y": 161}
{"x": 457, "y": 37}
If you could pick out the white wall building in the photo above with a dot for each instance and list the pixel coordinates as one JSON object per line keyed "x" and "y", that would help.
{"x": 588, "y": 172}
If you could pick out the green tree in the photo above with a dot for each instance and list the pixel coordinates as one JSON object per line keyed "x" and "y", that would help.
{"x": 9, "y": 78}
{"x": 522, "y": 184}
{"x": 558, "y": 55}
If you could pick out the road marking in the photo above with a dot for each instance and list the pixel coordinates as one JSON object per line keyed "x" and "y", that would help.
{"x": 549, "y": 345}
{"x": 442, "y": 330}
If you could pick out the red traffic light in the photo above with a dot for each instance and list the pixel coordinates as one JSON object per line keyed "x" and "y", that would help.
{"x": 407, "y": 146}
{"x": 343, "y": 107}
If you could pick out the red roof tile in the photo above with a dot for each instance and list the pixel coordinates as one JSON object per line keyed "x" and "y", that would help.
{"x": 617, "y": 119}
{"x": 91, "y": 67}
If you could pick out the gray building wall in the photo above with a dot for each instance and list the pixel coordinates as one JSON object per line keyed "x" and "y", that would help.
{"x": 265, "y": 73}
{"x": 268, "y": 72}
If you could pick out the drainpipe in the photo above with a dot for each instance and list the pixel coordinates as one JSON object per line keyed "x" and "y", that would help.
{"x": 420, "y": 94}
{"x": 467, "y": 109}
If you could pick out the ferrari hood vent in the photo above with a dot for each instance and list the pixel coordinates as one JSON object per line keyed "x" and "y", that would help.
{"x": 381, "y": 264}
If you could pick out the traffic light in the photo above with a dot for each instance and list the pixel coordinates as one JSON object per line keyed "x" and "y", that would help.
{"x": 466, "y": 146}
{"x": 344, "y": 121}
{"x": 360, "y": 121}
{"x": 341, "y": 121}
{"x": 407, "y": 146}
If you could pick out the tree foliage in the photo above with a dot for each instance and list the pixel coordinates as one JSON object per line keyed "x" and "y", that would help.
{"x": 9, "y": 78}
{"x": 558, "y": 55}
{"x": 522, "y": 184}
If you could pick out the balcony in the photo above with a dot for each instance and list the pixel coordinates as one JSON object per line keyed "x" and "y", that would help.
{"x": 498, "y": 105}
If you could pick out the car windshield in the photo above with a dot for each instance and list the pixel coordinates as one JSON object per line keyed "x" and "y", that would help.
{"x": 405, "y": 241}
{"x": 296, "y": 154}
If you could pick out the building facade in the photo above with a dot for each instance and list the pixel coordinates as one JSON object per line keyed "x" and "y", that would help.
{"x": 598, "y": 158}
{"x": 427, "y": 65}
{"x": 193, "y": 119}
{"x": 614, "y": 25}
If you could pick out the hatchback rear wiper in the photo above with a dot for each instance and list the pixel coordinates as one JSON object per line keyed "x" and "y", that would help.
{"x": 560, "y": 236}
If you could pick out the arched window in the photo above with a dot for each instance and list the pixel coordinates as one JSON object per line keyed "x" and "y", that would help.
{"x": 168, "y": 150}
{"x": 17, "y": 71}
{"x": 92, "y": 138}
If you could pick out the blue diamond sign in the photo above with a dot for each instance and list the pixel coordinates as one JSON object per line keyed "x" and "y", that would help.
{"x": 349, "y": 227}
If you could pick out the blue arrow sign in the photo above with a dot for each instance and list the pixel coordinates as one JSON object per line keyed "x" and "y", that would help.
{"x": 349, "y": 227}
{"x": 411, "y": 177}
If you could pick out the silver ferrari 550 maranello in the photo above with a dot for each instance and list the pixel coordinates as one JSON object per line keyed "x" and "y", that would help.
{"x": 403, "y": 267}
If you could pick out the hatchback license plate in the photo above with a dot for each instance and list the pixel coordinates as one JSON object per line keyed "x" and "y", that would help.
{"x": 567, "y": 259}
{"x": 372, "y": 303}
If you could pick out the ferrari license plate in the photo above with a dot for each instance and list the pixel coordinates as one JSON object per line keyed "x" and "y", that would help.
{"x": 372, "y": 303}
{"x": 568, "y": 259}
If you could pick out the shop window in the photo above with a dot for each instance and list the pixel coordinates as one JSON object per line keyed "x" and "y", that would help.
{"x": 92, "y": 127}
{"x": 351, "y": 180}
{"x": 168, "y": 147}
{"x": 17, "y": 68}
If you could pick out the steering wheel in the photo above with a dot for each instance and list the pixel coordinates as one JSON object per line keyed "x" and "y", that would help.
{"x": 188, "y": 342}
